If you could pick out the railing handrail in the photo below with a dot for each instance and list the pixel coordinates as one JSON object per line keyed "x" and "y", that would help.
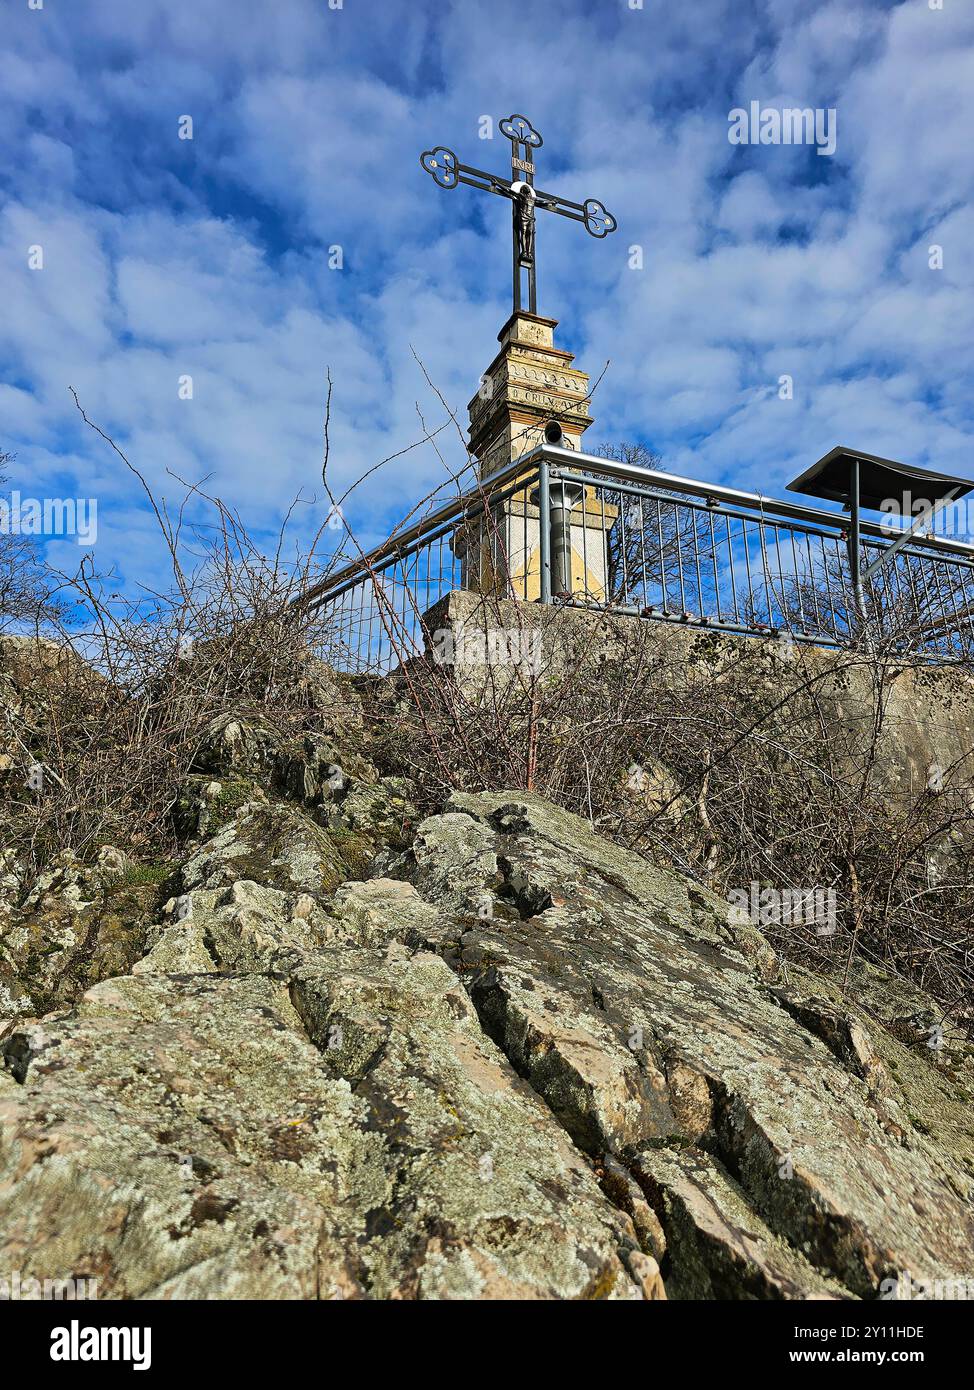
{"x": 663, "y": 547}
{"x": 566, "y": 459}
{"x": 466, "y": 505}
{"x": 570, "y": 461}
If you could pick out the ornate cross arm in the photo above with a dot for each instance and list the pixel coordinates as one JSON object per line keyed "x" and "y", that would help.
{"x": 447, "y": 171}
{"x": 598, "y": 222}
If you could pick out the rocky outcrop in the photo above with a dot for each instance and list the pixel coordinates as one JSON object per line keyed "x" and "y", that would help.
{"x": 651, "y": 1025}
{"x": 76, "y": 925}
{"x": 492, "y": 1055}
{"x": 349, "y": 1134}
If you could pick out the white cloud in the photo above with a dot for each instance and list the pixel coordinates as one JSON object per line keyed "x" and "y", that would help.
{"x": 209, "y": 258}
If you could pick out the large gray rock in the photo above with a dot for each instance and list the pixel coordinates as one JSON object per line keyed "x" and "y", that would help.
{"x": 529, "y": 1065}
{"x": 272, "y": 844}
{"x": 78, "y": 924}
{"x": 649, "y": 1022}
{"x": 353, "y": 1136}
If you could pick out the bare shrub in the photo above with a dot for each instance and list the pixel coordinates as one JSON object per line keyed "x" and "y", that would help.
{"x": 114, "y": 693}
{"x": 730, "y": 759}
{"x": 25, "y": 596}
{"x": 736, "y": 761}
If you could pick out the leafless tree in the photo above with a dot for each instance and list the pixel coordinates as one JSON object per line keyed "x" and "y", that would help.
{"x": 23, "y": 592}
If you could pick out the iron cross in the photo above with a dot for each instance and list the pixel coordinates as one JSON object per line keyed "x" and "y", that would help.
{"x": 447, "y": 171}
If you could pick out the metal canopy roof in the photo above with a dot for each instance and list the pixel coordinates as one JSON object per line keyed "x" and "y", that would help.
{"x": 879, "y": 480}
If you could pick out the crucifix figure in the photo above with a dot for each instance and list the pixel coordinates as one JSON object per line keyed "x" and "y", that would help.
{"x": 524, "y": 224}
{"x": 447, "y": 171}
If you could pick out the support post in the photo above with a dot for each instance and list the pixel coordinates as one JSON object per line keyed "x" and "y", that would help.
{"x": 565, "y": 497}
{"x": 859, "y": 597}
{"x": 544, "y": 527}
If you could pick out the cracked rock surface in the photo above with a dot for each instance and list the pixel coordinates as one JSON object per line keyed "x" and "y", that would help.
{"x": 529, "y": 1064}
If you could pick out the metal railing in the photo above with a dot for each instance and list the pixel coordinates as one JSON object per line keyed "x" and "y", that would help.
{"x": 572, "y": 528}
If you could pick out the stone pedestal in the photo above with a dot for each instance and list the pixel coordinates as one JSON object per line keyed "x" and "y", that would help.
{"x": 529, "y": 384}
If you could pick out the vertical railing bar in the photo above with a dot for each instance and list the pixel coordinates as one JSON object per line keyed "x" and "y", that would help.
{"x": 917, "y": 617}
{"x": 953, "y": 596}
{"x": 366, "y": 586}
{"x": 812, "y": 586}
{"x": 417, "y": 600}
{"x": 354, "y": 623}
{"x": 391, "y": 630}
{"x": 747, "y": 567}
{"x": 679, "y": 557}
{"x": 571, "y": 580}
{"x": 967, "y": 606}
{"x": 713, "y": 556}
{"x": 797, "y": 581}
{"x": 566, "y": 541}
{"x": 431, "y": 567}
{"x": 730, "y": 563}
{"x": 354, "y": 640}
{"x": 840, "y": 580}
{"x": 781, "y": 575}
{"x": 662, "y": 552}
{"x": 939, "y": 597}
{"x": 922, "y": 569}
{"x": 768, "y": 592}
{"x": 338, "y": 625}
{"x": 873, "y": 595}
{"x": 544, "y": 531}
{"x": 959, "y": 611}
{"x": 403, "y": 566}
{"x": 896, "y": 575}
{"x": 696, "y": 562}
{"x": 606, "y": 593}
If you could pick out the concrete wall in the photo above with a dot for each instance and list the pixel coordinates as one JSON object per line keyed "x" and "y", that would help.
{"x": 928, "y": 711}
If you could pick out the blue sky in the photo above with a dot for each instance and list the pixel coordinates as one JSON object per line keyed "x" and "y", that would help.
{"x": 209, "y": 257}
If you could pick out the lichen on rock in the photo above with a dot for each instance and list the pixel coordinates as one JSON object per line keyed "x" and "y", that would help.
{"x": 339, "y": 1051}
